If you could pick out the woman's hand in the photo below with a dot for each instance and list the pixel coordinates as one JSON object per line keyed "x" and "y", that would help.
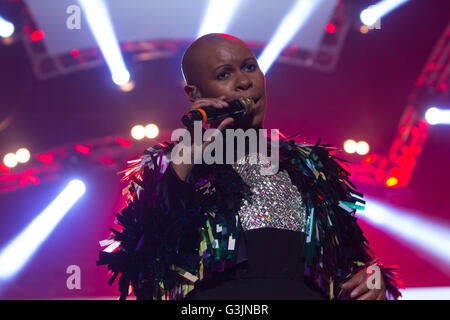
{"x": 359, "y": 288}
{"x": 183, "y": 169}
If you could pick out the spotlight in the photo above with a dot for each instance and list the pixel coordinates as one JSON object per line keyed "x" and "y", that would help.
{"x": 127, "y": 87}
{"x": 295, "y": 19}
{"x": 391, "y": 182}
{"x": 23, "y": 155}
{"x": 218, "y": 16}
{"x": 19, "y": 251}
{"x": 6, "y": 28}
{"x": 423, "y": 233}
{"x": 121, "y": 77}
{"x": 151, "y": 131}
{"x": 138, "y": 132}
{"x": 364, "y": 29}
{"x": 37, "y": 35}
{"x": 330, "y": 28}
{"x": 99, "y": 21}
{"x": 372, "y": 14}
{"x": 369, "y": 17}
{"x": 437, "y": 116}
{"x": 350, "y": 146}
{"x": 362, "y": 148}
{"x": 10, "y": 160}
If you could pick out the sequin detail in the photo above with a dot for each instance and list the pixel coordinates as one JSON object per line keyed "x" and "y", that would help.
{"x": 275, "y": 202}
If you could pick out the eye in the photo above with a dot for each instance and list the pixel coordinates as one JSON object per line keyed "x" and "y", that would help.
{"x": 222, "y": 76}
{"x": 251, "y": 66}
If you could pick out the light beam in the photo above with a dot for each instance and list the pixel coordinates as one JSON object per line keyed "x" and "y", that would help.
{"x": 97, "y": 16}
{"x": 291, "y": 24}
{"x": 18, "y": 252}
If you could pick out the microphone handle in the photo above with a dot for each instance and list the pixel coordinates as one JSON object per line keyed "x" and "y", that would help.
{"x": 210, "y": 114}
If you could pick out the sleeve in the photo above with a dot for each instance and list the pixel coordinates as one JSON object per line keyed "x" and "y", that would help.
{"x": 335, "y": 248}
{"x": 177, "y": 193}
{"x": 149, "y": 258}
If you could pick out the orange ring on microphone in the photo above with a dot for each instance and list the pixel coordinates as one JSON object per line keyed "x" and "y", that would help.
{"x": 203, "y": 114}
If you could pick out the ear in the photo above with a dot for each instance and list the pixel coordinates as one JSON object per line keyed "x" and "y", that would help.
{"x": 192, "y": 92}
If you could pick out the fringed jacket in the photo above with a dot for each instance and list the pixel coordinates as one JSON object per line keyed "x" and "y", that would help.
{"x": 174, "y": 234}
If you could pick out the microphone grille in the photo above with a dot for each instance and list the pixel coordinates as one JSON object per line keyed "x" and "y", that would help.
{"x": 247, "y": 103}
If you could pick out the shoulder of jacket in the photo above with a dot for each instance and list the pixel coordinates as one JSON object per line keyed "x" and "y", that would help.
{"x": 155, "y": 159}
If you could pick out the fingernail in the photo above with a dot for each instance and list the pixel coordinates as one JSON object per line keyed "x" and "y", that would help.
{"x": 353, "y": 293}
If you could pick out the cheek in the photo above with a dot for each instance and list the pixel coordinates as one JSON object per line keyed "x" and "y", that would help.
{"x": 217, "y": 89}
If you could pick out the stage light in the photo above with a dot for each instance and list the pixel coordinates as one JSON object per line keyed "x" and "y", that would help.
{"x": 97, "y": 16}
{"x": 218, "y": 16}
{"x": 75, "y": 53}
{"x": 121, "y": 78}
{"x": 16, "y": 254}
{"x": 151, "y": 131}
{"x": 350, "y": 146}
{"x": 330, "y": 28}
{"x": 127, "y": 87}
{"x": 10, "y": 160}
{"x": 23, "y": 155}
{"x": 431, "y": 236}
{"x": 362, "y": 148}
{"x": 437, "y": 116}
{"x": 138, "y": 132}
{"x": 37, "y": 35}
{"x": 372, "y": 14}
{"x": 364, "y": 29}
{"x": 288, "y": 28}
{"x": 391, "y": 182}
{"x": 6, "y": 28}
{"x": 426, "y": 293}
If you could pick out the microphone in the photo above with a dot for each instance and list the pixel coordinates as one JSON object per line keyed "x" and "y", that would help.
{"x": 236, "y": 109}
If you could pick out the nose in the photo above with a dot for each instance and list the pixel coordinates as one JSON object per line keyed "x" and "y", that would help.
{"x": 244, "y": 83}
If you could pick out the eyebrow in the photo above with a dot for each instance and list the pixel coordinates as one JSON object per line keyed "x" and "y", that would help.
{"x": 229, "y": 65}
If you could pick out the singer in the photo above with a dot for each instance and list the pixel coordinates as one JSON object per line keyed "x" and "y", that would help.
{"x": 224, "y": 231}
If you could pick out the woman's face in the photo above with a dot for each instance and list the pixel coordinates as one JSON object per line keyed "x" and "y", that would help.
{"x": 228, "y": 68}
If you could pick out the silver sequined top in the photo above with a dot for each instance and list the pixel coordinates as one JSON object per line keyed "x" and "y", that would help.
{"x": 276, "y": 201}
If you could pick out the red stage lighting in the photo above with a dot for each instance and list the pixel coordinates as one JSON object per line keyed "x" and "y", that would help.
{"x": 330, "y": 28}
{"x": 46, "y": 158}
{"x": 75, "y": 53}
{"x": 391, "y": 182}
{"x": 123, "y": 142}
{"x": 82, "y": 149}
{"x": 37, "y": 35}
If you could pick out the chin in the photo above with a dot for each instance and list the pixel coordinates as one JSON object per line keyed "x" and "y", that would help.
{"x": 248, "y": 123}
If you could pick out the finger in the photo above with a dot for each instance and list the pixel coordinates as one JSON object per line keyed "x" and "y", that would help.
{"x": 353, "y": 282}
{"x": 382, "y": 295}
{"x": 225, "y": 123}
{"x": 370, "y": 295}
{"x": 209, "y": 102}
{"x": 359, "y": 290}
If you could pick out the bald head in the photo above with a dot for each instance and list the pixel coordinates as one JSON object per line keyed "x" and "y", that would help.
{"x": 219, "y": 65}
{"x": 194, "y": 56}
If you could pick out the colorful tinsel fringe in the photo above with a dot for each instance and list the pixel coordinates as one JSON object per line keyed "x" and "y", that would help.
{"x": 166, "y": 248}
